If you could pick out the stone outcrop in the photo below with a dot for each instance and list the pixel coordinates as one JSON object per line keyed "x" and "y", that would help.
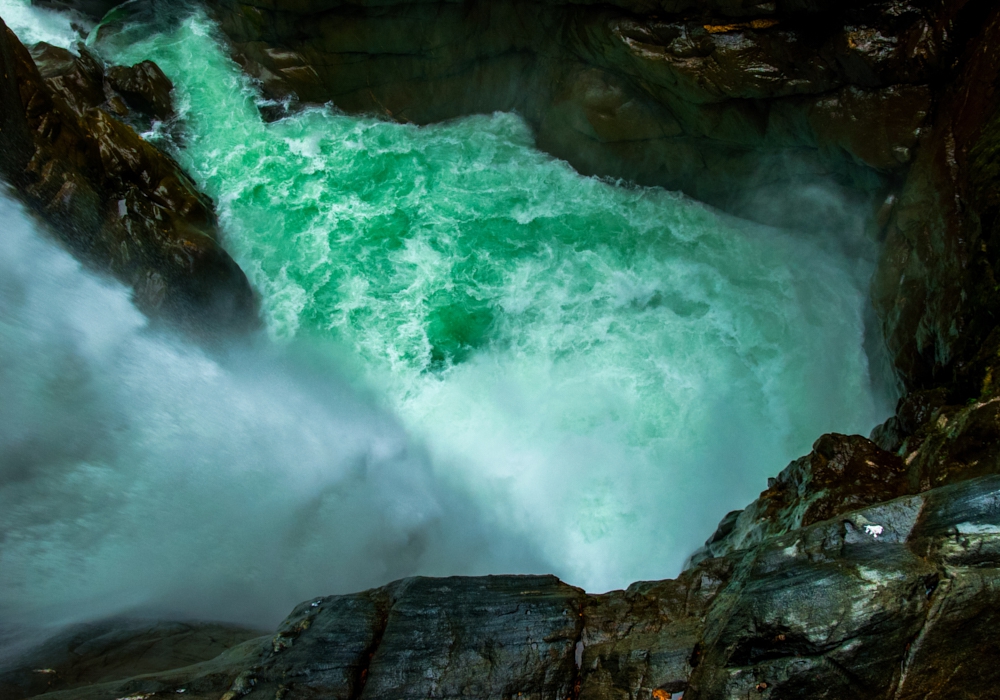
{"x": 121, "y": 205}
{"x": 896, "y": 600}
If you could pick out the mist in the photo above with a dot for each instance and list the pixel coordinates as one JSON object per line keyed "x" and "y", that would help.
{"x": 142, "y": 475}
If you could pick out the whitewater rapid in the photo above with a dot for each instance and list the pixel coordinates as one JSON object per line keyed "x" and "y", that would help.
{"x": 476, "y": 361}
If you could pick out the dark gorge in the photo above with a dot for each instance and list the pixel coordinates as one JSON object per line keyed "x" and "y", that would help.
{"x": 869, "y": 568}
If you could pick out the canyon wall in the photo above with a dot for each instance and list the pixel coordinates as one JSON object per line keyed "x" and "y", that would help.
{"x": 726, "y": 101}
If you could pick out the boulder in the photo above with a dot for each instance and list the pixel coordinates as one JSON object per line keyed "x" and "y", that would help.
{"x": 144, "y": 87}
{"x": 120, "y": 204}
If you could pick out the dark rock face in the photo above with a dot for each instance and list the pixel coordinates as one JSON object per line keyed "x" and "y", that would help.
{"x": 841, "y": 474}
{"x": 897, "y": 600}
{"x": 935, "y": 288}
{"x": 144, "y": 87}
{"x": 117, "y": 202}
{"x": 721, "y": 100}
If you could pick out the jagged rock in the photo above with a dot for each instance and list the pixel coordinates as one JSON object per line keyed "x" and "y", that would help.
{"x": 897, "y": 600}
{"x": 841, "y": 474}
{"x": 77, "y": 78}
{"x": 117, "y": 202}
{"x": 81, "y": 80}
{"x": 144, "y": 87}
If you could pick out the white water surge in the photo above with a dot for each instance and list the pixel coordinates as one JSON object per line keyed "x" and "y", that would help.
{"x": 139, "y": 471}
{"x": 477, "y": 361}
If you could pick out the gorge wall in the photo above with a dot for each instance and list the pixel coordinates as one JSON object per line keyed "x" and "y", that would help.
{"x": 724, "y": 101}
{"x": 866, "y": 569}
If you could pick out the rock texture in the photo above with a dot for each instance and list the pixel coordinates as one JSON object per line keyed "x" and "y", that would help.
{"x": 117, "y": 202}
{"x": 113, "y": 650}
{"x": 936, "y": 286}
{"x": 896, "y": 600}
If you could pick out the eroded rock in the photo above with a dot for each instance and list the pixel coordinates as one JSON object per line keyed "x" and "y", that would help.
{"x": 896, "y": 600}
{"x": 144, "y": 87}
{"x": 841, "y": 474}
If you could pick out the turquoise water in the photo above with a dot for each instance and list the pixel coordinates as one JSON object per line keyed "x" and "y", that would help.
{"x": 477, "y": 361}
{"x": 608, "y": 369}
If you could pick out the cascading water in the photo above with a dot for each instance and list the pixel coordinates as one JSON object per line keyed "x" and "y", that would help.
{"x": 479, "y": 361}
{"x": 139, "y": 471}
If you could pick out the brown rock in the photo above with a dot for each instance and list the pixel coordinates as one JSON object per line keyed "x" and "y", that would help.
{"x": 120, "y": 204}
{"x": 145, "y": 88}
{"x": 935, "y": 288}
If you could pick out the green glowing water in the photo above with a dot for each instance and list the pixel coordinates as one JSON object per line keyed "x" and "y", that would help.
{"x": 607, "y": 369}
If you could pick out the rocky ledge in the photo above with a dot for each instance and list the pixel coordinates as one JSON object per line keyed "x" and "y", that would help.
{"x": 896, "y": 600}
{"x": 121, "y": 205}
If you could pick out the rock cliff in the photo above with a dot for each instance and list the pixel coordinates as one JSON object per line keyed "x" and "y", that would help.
{"x": 895, "y": 600}
{"x": 118, "y": 203}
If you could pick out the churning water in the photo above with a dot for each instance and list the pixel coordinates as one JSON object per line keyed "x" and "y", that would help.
{"x": 477, "y": 361}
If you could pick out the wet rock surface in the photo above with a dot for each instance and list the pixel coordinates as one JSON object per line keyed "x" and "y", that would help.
{"x": 113, "y": 650}
{"x": 935, "y": 289}
{"x": 896, "y": 600}
{"x": 117, "y": 202}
